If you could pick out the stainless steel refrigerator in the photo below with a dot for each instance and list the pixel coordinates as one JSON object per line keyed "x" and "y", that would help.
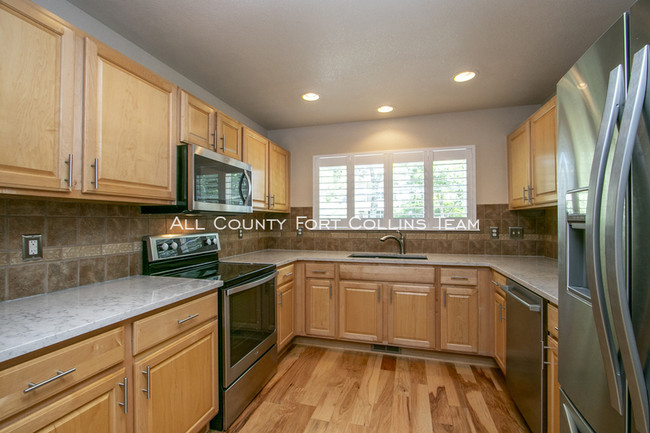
{"x": 604, "y": 232}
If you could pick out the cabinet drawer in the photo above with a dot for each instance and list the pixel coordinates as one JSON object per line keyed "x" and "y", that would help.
{"x": 285, "y": 274}
{"x": 319, "y": 270}
{"x": 400, "y": 274}
{"x": 155, "y": 329}
{"x": 459, "y": 276}
{"x": 50, "y": 374}
{"x": 552, "y": 320}
{"x": 498, "y": 279}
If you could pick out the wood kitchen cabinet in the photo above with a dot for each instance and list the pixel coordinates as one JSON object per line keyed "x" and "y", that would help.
{"x": 197, "y": 122}
{"x": 230, "y": 134}
{"x": 360, "y": 311}
{"x": 532, "y": 151}
{"x": 129, "y": 127}
{"x": 552, "y": 381}
{"x": 459, "y": 310}
{"x": 500, "y": 329}
{"x": 38, "y": 103}
{"x": 285, "y": 311}
{"x": 270, "y": 165}
{"x": 320, "y": 299}
{"x": 175, "y": 386}
{"x": 411, "y": 315}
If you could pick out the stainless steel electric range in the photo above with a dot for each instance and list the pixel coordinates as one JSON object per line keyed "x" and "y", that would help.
{"x": 247, "y": 344}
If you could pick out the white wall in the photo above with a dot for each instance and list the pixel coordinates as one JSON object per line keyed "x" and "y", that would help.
{"x": 486, "y": 129}
{"x": 101, "y": 32}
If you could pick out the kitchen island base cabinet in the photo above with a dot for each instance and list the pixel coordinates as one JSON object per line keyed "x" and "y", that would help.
{"x": 175, "y": 387}
{"x": 459, "y": 319}
{"x": 411, "y": 315}
{"x": 97, "y": 407}
{"x": 321, "y": 308}
{"x": 360, "y": 311}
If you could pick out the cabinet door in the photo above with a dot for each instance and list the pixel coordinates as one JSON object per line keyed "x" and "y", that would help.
{"x": 519, "y": 166}
{"x": 129, "y": 127}
{"x": 360, "y": 311}
{"x": 256, "y": 154}
{"x": 500, "y": 331}
{"x": 197, "y": 124}
{"x": 97, "y": 407}
{"x": 553, "y": 388}
{"x": 285, "y": 314}
{"x": 543, "y": 140}
{"x": 230, "y": 136}
{"x": 279, "y": 178}
{"x": 459, "y": 319}
{"x": 320, "y": 308}
{"x": 37, "y": 94}
{"x": 176, "y": 387}
{"x": 411, "y": 315}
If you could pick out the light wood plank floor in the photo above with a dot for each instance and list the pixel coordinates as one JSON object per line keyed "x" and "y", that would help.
{"x": 327, "y": 390}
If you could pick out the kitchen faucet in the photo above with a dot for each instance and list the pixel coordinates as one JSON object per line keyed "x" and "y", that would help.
{"x": 399, "y": 240}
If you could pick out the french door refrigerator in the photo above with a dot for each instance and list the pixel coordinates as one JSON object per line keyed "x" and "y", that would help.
{"x": 604, "y": 232}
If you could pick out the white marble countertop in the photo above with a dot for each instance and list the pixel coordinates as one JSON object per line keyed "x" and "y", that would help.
{"x": 538, "y": 274}
{"x": 32, "y": 323}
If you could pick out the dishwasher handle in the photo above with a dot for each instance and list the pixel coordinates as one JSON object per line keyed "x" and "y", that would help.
{"x": 510, "y": 291}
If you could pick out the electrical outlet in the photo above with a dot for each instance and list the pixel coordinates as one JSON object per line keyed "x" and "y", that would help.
{"x": 32, "y": 247}
{"x": 494, "y": 232}
{"x": 516, "y": 232}
{"x": 299, "y": 231}
{"x": 240, "y": 233}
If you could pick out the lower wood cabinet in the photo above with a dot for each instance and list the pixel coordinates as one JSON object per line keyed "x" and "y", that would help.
{"x": 459, "y": 319}
{"x": 97, "y": 407}
{"x": 411, "y": 315}
{"x": 500, "y": 329}
{"x": 175, "y": 388}
{"x": 320, "y": 307}
{"x": 360, "y": 311}
{"x": 285, "y": 314}
{"x": 552, "y": 381}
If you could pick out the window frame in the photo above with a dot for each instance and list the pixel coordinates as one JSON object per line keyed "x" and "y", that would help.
{"x": 388, "y": 222}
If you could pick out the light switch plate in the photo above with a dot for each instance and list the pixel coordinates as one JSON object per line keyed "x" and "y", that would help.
{"x": 32, "y": 247}
{"x": 516, "y": 232}
{"x": 494, "y": 232}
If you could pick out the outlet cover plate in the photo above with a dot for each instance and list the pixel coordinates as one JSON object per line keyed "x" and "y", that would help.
{"x": 494, "y": 232}
{"x": 516, "y": 232}
{"x": 32, "y": 247}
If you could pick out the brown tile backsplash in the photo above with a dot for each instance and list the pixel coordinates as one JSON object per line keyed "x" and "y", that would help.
{"x": 92, "y": 242}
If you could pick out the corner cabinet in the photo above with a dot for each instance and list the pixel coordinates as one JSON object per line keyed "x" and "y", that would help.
{"x": 129, "y": 127}
{"x": 38, "y": 102}
{"x": 532, "y": 151}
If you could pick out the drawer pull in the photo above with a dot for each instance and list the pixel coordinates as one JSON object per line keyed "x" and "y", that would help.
{"x": 126, "y": 393}
{"x": 318, "y": 271}
{"x": 330, "y": 290}
{"x": 289, "y": 274}
{"x": 495, "y": 283}
{"x": 557, "y": 330}
{"x": 147, "y": 372}
{"x": 187, "y": 318}
{"x": 59, "y": 375}
{"x": 280, "y": 299}
{"x": 454, "y": 277}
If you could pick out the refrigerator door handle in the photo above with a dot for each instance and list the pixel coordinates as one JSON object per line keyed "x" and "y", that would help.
{"x": 616, "y": 256}
{"x": 611, "y": 112}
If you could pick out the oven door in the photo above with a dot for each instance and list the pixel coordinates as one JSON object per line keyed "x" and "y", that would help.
{"x": 248, "y": 328}
{"x": 217, "y": 183}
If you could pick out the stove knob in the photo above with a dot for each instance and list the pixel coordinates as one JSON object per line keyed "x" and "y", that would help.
{"x": 164, "y": 247}
{"x": 174, "y": 245}
{"x": 208, "y": 241}
{"x": 215, "y": 241}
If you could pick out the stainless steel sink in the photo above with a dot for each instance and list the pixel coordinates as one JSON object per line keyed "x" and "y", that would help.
{"x": 388, "y": 256}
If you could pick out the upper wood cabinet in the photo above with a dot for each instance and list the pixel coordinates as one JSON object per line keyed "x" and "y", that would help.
{"x": 230, "y": 134}
{"x": 37, "y": 80}
{"x": 129, "y": 127}
{"x": 532, "y": 151}
{"x": 271, "y": 168}
{"x": 197, "y": 122}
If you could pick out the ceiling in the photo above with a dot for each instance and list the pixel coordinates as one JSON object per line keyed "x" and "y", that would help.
{"x": 259, "y": 56}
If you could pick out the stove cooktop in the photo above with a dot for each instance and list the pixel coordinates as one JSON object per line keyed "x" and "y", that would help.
{"x": 230, "y": 273}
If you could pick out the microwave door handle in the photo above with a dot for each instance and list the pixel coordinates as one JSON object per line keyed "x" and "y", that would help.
{"x": 247, "y": 176}
{"x": 616, "y": 255}
{"x": 613, "y": 104}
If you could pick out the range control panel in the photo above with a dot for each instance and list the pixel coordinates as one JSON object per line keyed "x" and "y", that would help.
{"x": 165, "y": 247}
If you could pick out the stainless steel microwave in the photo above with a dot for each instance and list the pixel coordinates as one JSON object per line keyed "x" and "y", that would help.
{"x": 207, "y": 181}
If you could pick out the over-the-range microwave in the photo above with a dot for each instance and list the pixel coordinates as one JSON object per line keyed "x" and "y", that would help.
{"x": 207, "y": 181}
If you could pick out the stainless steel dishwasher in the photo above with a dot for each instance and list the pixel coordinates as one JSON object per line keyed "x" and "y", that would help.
{"x": 525, "y": 354}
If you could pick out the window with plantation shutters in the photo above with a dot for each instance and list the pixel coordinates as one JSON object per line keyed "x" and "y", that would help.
{"x": 405, "y": 189}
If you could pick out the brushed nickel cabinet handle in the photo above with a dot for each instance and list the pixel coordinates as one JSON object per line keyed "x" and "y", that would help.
{"x": 180, "y": 321}
{"x": 459, "y": 278}
{"x": 379, "y": 294}
{"x": 147, "y": 373}
{"x": 59, "y": 374}
{"x": 330, "y": 290}
{"x": 223, "y": 143}
{"x": 95, "y": 165}
{"x": 126, "y": 394}
{"x": 318, "y": 271}
{"x": 524, "y": 198}
{"x": 280, "y": 299}
{"x": 216, "y": 138}
{"x": 444, "y": 300}
{"x": 495, "y": 283}
{"x": 289, "y": 274}
{"x": 69, "y": 162}
{"x": 391, "y": 295}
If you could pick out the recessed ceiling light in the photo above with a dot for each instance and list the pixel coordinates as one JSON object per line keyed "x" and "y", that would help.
{"x": 385, "y": 109}
{"x": 311, "y": 96}
{"x": 464, "y": 76}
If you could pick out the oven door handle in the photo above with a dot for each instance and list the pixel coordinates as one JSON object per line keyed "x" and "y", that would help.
{"x": 248, "y": 286}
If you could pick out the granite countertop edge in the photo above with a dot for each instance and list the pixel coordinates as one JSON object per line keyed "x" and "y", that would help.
{"x": 28, "y": 326}
{"x": 517, "y": 268}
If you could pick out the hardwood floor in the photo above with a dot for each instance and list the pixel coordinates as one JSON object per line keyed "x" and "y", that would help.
{"x": 327, "y": 390}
